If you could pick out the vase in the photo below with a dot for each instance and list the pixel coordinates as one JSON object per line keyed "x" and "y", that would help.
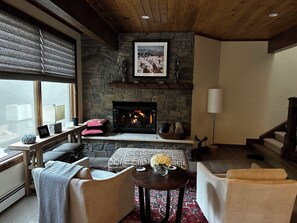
{"x": 160, "y": 170}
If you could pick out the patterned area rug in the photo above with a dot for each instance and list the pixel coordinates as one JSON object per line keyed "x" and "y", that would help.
{"x": 191, "y": 211}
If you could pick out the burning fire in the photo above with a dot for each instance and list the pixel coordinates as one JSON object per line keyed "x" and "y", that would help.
{"x": 140, "y": 112}
{"x": 136, "y": 116}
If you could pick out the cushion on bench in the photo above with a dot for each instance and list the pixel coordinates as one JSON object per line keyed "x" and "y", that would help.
{"x": 54, "y": 155}
{"x": 69, "y": 148}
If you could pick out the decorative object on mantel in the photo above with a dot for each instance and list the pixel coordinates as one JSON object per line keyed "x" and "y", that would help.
{"x": 28, "y": 138}
{"x": 160, "y": 164}
{"x": 172, "y": 131}
{"x": 177, "y": 71}
{"x": 123, "y": 71}
{"x": 150, "y": 58}
{"x": 179, "y": 128}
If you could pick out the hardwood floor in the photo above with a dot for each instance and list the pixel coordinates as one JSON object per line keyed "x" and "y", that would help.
{"x": 23, "y": 211}
{"x": 26, "y": 210}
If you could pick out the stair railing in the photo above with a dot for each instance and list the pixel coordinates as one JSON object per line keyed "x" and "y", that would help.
{"x": 289, "y": 148}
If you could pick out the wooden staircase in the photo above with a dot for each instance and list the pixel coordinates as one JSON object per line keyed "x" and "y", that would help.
{"x": 278, "y": 145}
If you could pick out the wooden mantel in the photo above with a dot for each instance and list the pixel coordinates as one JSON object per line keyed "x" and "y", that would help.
{"x": 152, "y": 85}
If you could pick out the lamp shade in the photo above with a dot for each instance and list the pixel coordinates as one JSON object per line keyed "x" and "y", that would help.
{"x": 215, "y": 100}
{"x": 53, "y": 113}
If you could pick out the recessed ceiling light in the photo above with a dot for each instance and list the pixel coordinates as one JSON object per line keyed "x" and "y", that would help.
{"x": 145, "y": 17}
{"x": 274, "y": 14}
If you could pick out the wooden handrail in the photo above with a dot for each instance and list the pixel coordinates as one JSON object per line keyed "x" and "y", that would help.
{"x": 289, "y": 148}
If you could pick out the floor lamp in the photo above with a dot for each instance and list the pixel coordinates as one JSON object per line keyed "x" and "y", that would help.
{"x": 214, "y": 106}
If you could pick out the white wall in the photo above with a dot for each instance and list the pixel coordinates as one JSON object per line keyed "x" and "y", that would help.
{"x": 256, "y": 88}
{"x": 10, "y": 179}
{"x": 206, "y": 75}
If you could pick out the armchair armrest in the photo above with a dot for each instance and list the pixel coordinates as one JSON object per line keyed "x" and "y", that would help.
{"x": 83, "y": 162}
{"x": 211, "y": 197}
{"x": 102, "y": 200}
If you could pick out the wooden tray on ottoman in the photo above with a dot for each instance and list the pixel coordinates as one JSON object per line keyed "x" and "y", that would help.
{"x": 175, "y": 136}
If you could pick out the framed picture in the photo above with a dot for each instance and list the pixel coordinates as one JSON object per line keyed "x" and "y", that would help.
{"x": 43, "y": 131}
{"x": 150, "y": 58}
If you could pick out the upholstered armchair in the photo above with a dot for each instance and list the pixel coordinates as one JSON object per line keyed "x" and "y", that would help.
{"x": 97, "y": 196}
{"x": 246, "y": 195}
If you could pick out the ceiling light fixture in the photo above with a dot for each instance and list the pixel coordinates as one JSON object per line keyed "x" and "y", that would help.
{"x": 145, "y": 17}
{"x": 274, "y": 14}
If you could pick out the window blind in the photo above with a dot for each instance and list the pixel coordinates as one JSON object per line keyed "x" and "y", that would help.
{"x": 28, "y": 52}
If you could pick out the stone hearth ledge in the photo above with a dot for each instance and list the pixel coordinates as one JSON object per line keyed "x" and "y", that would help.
{"x": 138, "y": 137}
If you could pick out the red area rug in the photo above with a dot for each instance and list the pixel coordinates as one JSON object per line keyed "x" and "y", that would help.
{"x": 191, "y": 211}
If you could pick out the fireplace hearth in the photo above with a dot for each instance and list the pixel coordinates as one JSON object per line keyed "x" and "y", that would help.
{"x": 134, "y": 117}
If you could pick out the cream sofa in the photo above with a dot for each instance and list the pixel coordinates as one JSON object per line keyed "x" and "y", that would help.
{"x": 245, "y": 196}
{"x": 97, "y": 196}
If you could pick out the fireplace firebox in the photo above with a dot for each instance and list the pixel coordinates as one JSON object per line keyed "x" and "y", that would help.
{"x": 134, "y": 117}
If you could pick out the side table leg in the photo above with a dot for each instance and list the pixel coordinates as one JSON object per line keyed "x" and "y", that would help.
{"x": 26, "y": 160}
{"x": 147, "y": 205}
{"x": 39, "y": 156}
{"x": 167, "y": 207}
{"x": 180, "y": 204}
{"x": 141, "y": 204}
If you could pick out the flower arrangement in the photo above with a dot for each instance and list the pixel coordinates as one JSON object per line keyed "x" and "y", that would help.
{"x": 160, "y": 159}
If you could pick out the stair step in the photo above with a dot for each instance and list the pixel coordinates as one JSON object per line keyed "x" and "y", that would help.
{"x": 280, "y": 136}
{"x": 273, "y": 145}
{"x": 275, "y": 160}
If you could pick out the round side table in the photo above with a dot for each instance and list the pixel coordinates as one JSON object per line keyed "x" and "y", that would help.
{"x": 147, "y": 180}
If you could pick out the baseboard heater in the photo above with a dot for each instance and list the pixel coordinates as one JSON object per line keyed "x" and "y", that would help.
{"x": 11, "y": 197}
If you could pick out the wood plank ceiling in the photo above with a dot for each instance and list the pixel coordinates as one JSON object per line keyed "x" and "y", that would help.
{"x": 218, "y": 19}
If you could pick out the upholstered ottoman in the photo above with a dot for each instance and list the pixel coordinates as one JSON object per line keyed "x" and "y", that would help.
{"x": 125, "y": 157}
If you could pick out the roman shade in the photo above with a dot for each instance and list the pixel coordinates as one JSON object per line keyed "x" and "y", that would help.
{"x": 31, "y": 53}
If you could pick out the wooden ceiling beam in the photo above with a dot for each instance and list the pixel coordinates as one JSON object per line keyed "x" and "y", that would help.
{"x": 283, "y": 41}
{"x": 81, "y": 15}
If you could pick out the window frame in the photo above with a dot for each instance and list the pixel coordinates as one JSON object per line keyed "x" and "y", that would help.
{"x": 37, "y": 82}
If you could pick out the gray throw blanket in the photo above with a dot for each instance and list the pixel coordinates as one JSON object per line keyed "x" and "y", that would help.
{"x": 52, "y": 183}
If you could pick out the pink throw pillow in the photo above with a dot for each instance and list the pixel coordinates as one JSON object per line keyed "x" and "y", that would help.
{"x": 91, "y": 132}
{"x": 95, "y": 122}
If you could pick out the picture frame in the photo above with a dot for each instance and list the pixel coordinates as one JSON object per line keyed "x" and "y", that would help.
{"x": 43, "y": 131}
{"x": 150, "y": 58}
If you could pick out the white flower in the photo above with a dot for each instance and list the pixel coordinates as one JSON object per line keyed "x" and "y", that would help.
{"x": 160, "y": 159}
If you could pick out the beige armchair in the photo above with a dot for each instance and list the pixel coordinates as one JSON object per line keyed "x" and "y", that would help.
{"x": 245, "y": 196}
{"x": 99, "y": 196}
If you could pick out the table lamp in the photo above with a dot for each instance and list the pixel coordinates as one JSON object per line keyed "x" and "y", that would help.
{"x": 53, "y": 114}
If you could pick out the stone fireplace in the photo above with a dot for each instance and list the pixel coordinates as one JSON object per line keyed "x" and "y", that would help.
{"x": 100, "y": 67}
{"x": 134, "y": 117}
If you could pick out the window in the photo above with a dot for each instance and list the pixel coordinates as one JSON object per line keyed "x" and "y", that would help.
{"x": 37, "y": 64}
{"x": 16, "y": 113}
{"x": 53, "y": 95}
